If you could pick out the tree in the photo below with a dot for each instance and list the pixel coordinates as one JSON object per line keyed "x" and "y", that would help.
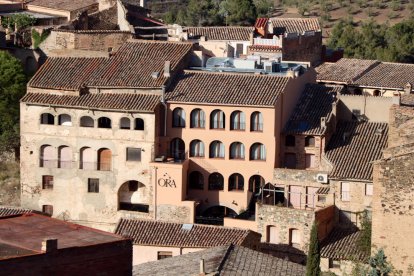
{"x": 379, "y": 265}
{"x": 263, "y": 7}
{"x": 239, "y": 12}
{"x": 21, "y": 21}
{"x": 12, "y": 88}
{"x": 314, "y": 256}
{"x": 364, "y": 240}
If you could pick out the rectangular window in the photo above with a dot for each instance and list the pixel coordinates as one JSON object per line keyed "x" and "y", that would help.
{"x": 369, "y": 189}
{"x": 47, "y": 182}
{"x": 310, "y": 161}
{"x": 164, "y": 255}
{"x": 47, "y": 209}
{"x": 290, "y": 160}
{"x": 345, "y": 196}
{"x": 93, "y": 185}
{"x": 133, "y": 154}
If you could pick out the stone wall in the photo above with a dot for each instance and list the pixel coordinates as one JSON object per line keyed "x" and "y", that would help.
{"x": 173, "y": 213}
{"x": 375, "y": 109}
{"x": 285, "y": 219}
{"x": 303, "y": 48}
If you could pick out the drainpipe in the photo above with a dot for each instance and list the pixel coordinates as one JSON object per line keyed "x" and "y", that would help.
{"x": 165, "y": 107}
{"x": 155, "y": 193}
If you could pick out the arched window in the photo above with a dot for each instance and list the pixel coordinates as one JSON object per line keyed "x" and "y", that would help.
{"x": 64, "y": 120}
{"x": 236, "y": 150}
{"x": 290, "y": 141}
{"x": 217, "y": 119}
{"x": 178, "y": 149}
{"x": 256, "y": 121}
{"x": 237, "y": 121}
{"x": 196, "y": 148}
{"x": 272, "y": 234}
{"x": 309, "y": 141}
{"x": 178, "y": 117}
{"x": 47, "y": 119}
{"x": 236, "y": 182}
{"x": 65, "y": 157}
{"x": 216, "y": 149}
{"x": 257, "y": 152}
{"x": 87, "y": 159}
{"x": 294, "y": 238}
{"x": 198, "y": 118}
{"x": 255, "y": 183}
{"x": 139, "y": 124}
{"x": 104, "y": 122}
{"x": 215, "y": 182}
{"x": 86, "y": 121}
{"x": 125, "y": 123}
{"x": 132, "y": 197}
{"x": 47, "y": 156}
{"x": 104, "y": 159}
{"x": 196, "y": 180}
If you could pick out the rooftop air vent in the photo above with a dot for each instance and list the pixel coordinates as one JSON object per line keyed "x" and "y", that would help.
{"x": 379, "y": 131}
{"x": 187, "y": 226}
{"x": 155, "y": 75}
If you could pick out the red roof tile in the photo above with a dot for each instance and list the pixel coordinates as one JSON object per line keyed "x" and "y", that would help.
{"x": 220, "y": 33}
{"x": 158, "y": 233}
{"x": 65, "y": 73}
{"x": 261, "y": 23}
{"x": 133, "y": 64}
{"x": 265, "y": 48}
{"x": 9, "y": 211}
{"x": 113, "y": 101}
{"x": 354, "y": 146}
{"x": 226, "y": 88}
{"x": 66, "y": 5}
{"x": 296, "y": 25}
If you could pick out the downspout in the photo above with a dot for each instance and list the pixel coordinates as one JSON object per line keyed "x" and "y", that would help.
{"x": 155, "y": 192}
{"x": 165, "y": 108}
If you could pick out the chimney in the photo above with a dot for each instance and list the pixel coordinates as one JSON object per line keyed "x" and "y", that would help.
{"x": 408, "y": 88}
{"x": 290, "y": 74}
{"x": 202, "y": 267}
{"x": 251, "y": 38}
{"x": 167, "y": 69}
{"x": 396, "y": 98}
{"x": 49, "y": 245}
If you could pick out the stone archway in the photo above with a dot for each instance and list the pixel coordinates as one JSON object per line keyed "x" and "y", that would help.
{"x": 133, "y": 196}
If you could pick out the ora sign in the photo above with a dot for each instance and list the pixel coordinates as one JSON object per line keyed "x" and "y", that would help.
{"x": 168, "y": 183}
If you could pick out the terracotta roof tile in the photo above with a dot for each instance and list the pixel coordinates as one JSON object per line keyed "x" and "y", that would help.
{"x": 227, "y": 88}
{"x": 388, "y": 75}
{"x": 346, "y": 70}
{"x": 65, "y": 73}
{"x": 66, "y": 5}
{"x": 10, "y": 211}
{"x": 341, "y": 244}
{"x": 220, "y": 33}
{"x": 316, "y": 102}
{"x": 261, "y": 23}
{"x": 407, "y": 99}
{"x": 296, "y": 25}
{"x": 158, "y": 233}
{"x": 133, "y": 64}
{"x": 222, "y": 260}
{"x": 113, "y": 101}
{"x": 354, "y": 146}
{"x": 265, "y": 48}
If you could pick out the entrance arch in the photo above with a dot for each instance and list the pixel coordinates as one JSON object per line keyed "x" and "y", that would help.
{"x": 132, "y": 196}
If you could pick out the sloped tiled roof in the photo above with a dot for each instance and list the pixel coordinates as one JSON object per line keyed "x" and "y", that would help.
{"x": 296, "y": 25}
{"x": 316, "y": 102}
{"x": 407, "y": 99}
{"x": 388, "y": 75}
{"x": 67, "y": 73}
{"x": 10, "y": 211}
{"x": 133, "y": 64}
{"x": 113, "y": 101}
{"x": 346, "y": 70}
{"x": 66, "y": 5}
{"x": 227, "y": 88}
{"x": 354, "y": 146}
{"x": 220, "y": 33}
{"x": 261, "y": 22}
{"x": 341, "y": 244}
{"x": 157, "y": 233}
{"x": 222, "y": 260}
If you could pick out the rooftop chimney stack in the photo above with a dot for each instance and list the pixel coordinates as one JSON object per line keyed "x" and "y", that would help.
{"x": 396, "y": 98}
{"x": 408, "y": 89}
{"x": 167, "y": 69}
{"x": 49, "y": 245}
{"x": 323, "y": 122}
{"x": 202, "y": 267}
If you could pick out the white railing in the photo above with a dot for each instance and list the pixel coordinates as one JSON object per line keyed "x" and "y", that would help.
{"x": 268, "y": 42}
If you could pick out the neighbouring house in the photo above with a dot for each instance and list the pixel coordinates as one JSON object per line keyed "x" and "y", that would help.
{"x": 289, "y": 39}
{"x": 38, "y": 245}
{"x": 156, "y": 240}
{"x": 11, "y": 210}
{"x": 368, "y": 77}
{"x": 222, "y": 260}
{"x": 392, "y": 211}
{"x": 340, "y": 251}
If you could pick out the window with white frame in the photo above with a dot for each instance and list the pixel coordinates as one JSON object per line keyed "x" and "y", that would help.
{"x": 345, "y": 189}
{"x": 369, "y": 189}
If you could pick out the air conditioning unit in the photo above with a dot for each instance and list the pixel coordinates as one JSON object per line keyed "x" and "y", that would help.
{"x": 322, "y": 178}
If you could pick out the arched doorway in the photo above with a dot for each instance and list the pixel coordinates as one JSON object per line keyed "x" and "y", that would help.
{"x": 132, "y": 196}
{"x": 104, "y": 160}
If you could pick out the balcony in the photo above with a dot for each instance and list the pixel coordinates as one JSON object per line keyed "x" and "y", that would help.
{"x": 56, "y": 163}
